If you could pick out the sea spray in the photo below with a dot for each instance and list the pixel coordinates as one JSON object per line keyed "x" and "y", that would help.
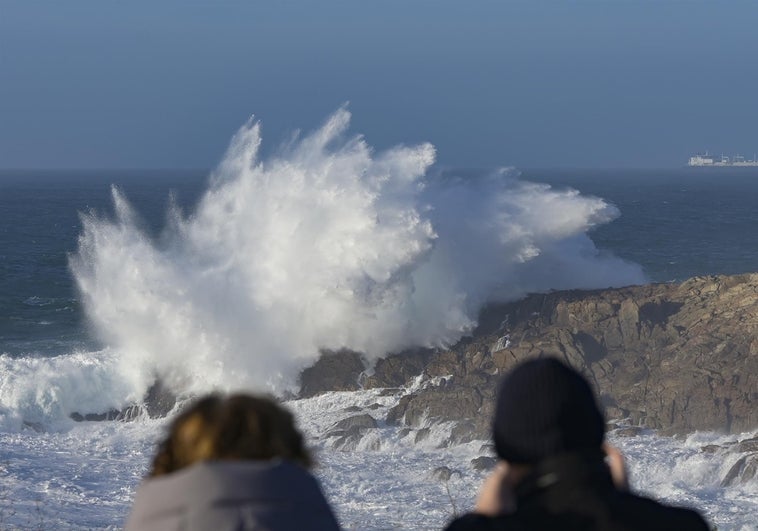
{"x": 331, "y": 245}
{"x": 83, "y": 475}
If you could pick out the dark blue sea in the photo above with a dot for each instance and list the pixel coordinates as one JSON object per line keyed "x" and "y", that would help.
{"x": 40, "y": 310}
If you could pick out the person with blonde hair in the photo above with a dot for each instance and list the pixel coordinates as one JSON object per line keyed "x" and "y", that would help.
{"x": 235, "y": 462}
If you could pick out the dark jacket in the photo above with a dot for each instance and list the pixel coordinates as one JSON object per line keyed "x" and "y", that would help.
{"x": 232, "y": 495}
{"x": 576, "y": 493}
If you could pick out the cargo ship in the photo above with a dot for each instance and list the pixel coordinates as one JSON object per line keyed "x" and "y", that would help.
{"x": 738, "y": 161}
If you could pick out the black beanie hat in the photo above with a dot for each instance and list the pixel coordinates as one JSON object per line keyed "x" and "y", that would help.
{"x": 545, "y": 407}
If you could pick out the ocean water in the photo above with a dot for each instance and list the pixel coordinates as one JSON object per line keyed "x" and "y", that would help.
{"x": 234, "y": 278}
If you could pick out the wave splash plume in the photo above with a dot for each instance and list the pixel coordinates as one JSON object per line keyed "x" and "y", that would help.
{"x": 326, "y": 245}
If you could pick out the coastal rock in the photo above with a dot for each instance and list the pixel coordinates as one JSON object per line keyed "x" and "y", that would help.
{"x": 444, "y": 473}
{"x": 483, "y": 463}
{"x": 747, "y": 445}
{"x": 397, "y": 370}
{"x": 350, "y": 432}
{"x": 627, "y": 431}
{"x": 745, "y": 469}
{"x": 334, "y": 371}
{"x": 159, "y": 401}
{"x": 355, "y": 423}
{"x": 674, "y": 357}
{"x": 421, "y": 435}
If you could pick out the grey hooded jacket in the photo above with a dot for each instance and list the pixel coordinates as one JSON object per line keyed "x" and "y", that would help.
{"x": 232, "y": 495}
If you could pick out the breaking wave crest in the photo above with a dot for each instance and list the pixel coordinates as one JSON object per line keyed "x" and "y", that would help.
{"x": 326, "y": 245}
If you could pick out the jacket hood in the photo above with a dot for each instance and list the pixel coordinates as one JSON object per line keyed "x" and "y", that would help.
{"x": 239, "y": 495}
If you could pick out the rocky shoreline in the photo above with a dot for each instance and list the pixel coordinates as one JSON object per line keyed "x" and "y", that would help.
{"x": 676, "y": 358}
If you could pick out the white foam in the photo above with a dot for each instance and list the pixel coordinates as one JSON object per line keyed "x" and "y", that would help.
{"x": 679, "y": 471}
{"x": 85, "y": 476}
{"x": 326, "y": 245}
{"x": 45, "y": 391}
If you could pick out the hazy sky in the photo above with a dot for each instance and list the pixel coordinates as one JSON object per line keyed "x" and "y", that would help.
{"x": 165, "y": 83}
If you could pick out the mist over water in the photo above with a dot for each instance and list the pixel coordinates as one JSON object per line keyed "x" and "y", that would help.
{"x": 327, "y": 244}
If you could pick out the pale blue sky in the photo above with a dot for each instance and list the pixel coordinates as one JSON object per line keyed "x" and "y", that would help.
{"x": 166, "y": 83}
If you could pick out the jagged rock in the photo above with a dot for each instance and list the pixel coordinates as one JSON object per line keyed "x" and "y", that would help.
{"x": 352, "y": 425}
{"x": 465, "y": 431}
{"x": 363, "y": 422}
{"x": 351, "y": 438}
{"x": 743, "y": 446}
{"x": 348, "y": 440}
{"x": 159, "y": 401}
{"x": 444, "y": 473}
{"x": 421, "y": 435}
{"x": 747, "y": 445}
{"x": 711, "y": 448}
{"x": 627, "y": 431}
{"x": 34, "y": 426}
{"x": 745, "y": 469}
{"x": 350, "y": 432}
{"x": 108, "y": 415}
{"x": 483, "y": 463}
{"x": 675, "y": 357}
{"x": 391, "y": 391}
{"x": 395, "y": 370}
{"x": 487, "y": 448}
{"x": 436, "y": 404}
{"x": 334, "y": 371}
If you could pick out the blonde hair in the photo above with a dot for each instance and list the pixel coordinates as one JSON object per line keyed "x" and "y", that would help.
{"x": 238, "y": 427}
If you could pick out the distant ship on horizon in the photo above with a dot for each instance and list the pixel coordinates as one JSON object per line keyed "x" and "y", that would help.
{"x": 710, "y": 160}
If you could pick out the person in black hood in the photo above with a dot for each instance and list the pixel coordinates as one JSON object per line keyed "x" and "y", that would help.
{"x": 236, "y": 463}
{"x": 555, "y": 471}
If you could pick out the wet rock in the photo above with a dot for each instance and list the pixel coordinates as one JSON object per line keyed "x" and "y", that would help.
{"x": 34, "y": 426}
{"x": 108, "y": 415}
{"x": 357, "y": 422}
{"x": 711, "y": 448}
{"x": 434, "y": 403}
{"x": 444, "y": 473}
{"x": 350, "y": 432}
{"x": 744, "y": 470}
{"x": 132, "y": 412}
{"x": 483, "y": 463}
{"x": 673, "y": 357}
{"x": 398, "y": 369}
{"x": 347, "y": 440}
{"x": 628, "y": 431}
{"x": 421, "y": 435}
{"x": 352, "y": 438}
{"x": 159, "y": 401}
{"x": 391, "y": 391}
{"x": 488, "y": 448}
{"x": 334, "y": 371}
{"x": 464, "y": 431}
{"x": 747, "y": 445}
